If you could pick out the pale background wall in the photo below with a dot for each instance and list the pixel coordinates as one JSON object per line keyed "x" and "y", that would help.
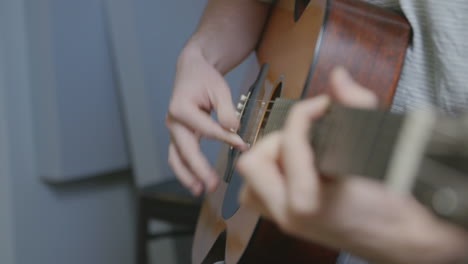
{"x": 6, "y": 225}
{"x": 89, "y": 222}
{"x": 78, "y": 126}
{"x": 60, "y": 120}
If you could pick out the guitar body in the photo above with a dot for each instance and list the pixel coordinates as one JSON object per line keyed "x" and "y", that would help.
{"x": 301, "y": 43}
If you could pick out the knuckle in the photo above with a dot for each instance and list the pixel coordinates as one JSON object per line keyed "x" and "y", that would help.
{"x": 211, "y": 132}
{"x": 297, "y": 111}
{"x": 176, "y": 109}
{"x": 228, "y": 120}
{"x": 245, "y": 162}
{"x": 299, "y": 211}
{"x": 215, "y": 130}
{"x": 301, "y": 208}
{"x": 186, "y": 182}
{"x": 198, "y": 164}
{"x": 286, "y": 225}
{"x": 299, "y": 107}
{"x": 199, "y": 169}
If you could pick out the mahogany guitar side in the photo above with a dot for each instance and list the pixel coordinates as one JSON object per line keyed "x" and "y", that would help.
{"x": 301, "y": 47}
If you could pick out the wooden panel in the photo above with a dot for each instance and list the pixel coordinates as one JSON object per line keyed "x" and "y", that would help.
{"x": 369, "y": 41}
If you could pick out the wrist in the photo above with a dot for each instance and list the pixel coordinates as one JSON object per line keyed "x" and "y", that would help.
{"x": 190, "y": 52}
{"x": 404, "y": 232}
{"x": 446, "y": 243}
{"x": 194, "y": 50}
{"x": 423, "y": 238}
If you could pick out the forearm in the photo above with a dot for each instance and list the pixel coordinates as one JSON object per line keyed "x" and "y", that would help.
{"x": 227, "y": 32}
{"x": 402, "y": 231}
{"x": 430, "y": 243}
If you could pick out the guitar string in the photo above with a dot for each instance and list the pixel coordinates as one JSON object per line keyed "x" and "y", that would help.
{"x": 252, "y": 100}
{"x": 328, "y": 122}
{"x": 323, "y": 126}
{"x": 363, "y": 138}
{"x": 331, "y": 130}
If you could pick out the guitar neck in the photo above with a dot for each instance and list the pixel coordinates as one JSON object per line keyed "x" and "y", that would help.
{"x": 413, "y": 153}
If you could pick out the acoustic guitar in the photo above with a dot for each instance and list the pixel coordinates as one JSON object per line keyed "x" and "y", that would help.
{"x": 302, "y": 42}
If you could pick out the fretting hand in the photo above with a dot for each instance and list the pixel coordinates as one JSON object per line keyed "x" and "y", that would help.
{"x": 351, "y": 213}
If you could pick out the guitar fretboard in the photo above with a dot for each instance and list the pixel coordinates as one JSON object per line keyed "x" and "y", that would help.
{"x": 410, "y": 153}
{"x": 347, "y": 140}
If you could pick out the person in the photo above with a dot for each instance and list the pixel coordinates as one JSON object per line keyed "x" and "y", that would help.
{"x": 380, "y": 226}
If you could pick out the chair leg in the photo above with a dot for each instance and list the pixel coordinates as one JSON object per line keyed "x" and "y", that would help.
{"x": 142, "y": 231}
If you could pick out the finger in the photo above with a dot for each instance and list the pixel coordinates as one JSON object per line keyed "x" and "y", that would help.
{"x": 188, "y": 147}
{"x": 298, "y": 162}
{"x": 261, "y": 173}
{"x": 222, "y": 103}
{"x": 201, "y": 122}
{"x": 183, "y": 174}
{"x": 349, "y": 92}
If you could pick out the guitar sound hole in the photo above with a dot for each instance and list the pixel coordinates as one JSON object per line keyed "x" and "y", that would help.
{"x": 299, "y": 7}
{"x": 230, "y": 203}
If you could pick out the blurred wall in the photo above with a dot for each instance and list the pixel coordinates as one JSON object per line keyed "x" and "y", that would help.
{"x": 82, "y": 222}
{"x": 77, "y": 122}
{"x": 6, "y": 225}
{"x": 89, "y": 221}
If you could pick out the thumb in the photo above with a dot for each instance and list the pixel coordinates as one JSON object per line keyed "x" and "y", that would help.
{"x": 348, "y": 92}
{"x": 222, "y": 104}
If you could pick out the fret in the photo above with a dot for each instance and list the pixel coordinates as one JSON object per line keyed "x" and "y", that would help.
{"x": 384, "y": 145}
{"x": 410, "y": 148}
{"x": 442, "y": 180}
{"x": 449, "y": 137}
{"x": 356, "y": 141}
{"x": 278, "y": 114}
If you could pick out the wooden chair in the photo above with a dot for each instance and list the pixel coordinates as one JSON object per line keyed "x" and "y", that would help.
{"x": 168, "y": 201}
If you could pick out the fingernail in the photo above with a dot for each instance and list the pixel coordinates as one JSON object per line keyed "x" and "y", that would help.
{"x": 322, "y": 99}
{"x": 237, "y": 139}
{"x": 340, "y": 70}
{"x": 343, "y": 75}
